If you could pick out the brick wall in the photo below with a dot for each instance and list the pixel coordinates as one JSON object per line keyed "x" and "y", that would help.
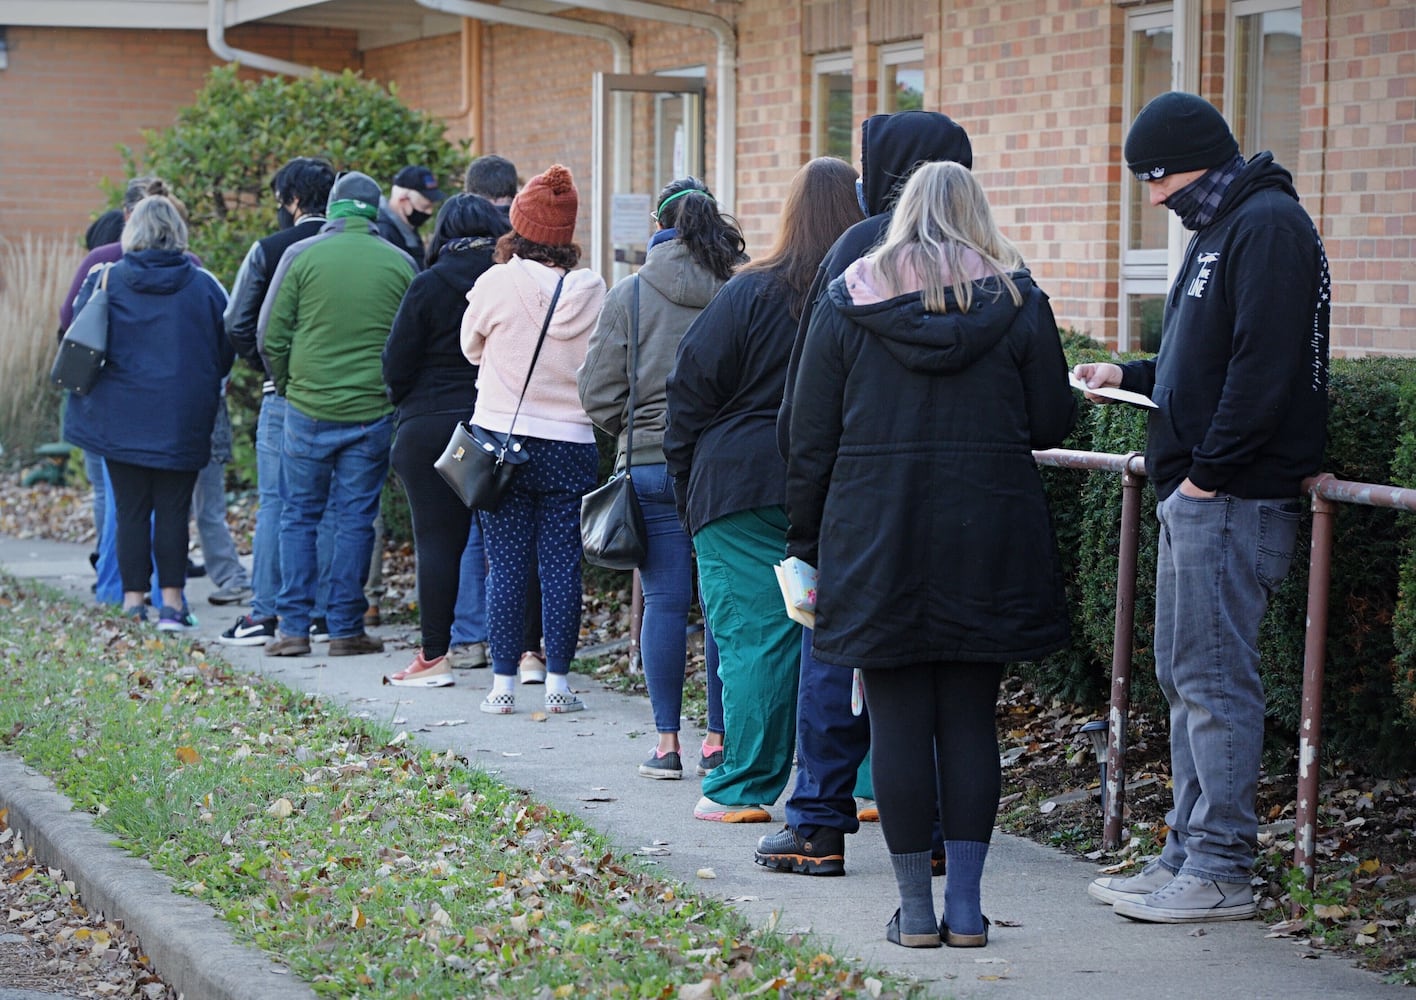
{"x": 71, "y": 96}
{"x": 1363, "y": 151}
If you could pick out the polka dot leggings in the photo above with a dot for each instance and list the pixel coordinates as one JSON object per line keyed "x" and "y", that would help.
{"x": 540, "y": 519}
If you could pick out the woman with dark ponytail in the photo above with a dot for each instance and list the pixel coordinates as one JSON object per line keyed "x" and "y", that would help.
{"x": 694, "y": 252}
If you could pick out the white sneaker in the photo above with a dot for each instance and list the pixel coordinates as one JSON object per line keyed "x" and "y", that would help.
{"x": 1189, "y": 899}
{"x": 499, "y": 703}
{"x": 1112, "y": 888}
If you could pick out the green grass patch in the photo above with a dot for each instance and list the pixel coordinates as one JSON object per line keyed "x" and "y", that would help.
{"x": 371, "y": 867}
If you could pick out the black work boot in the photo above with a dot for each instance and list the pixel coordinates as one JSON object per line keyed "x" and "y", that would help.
{"x": 823, "y": 853}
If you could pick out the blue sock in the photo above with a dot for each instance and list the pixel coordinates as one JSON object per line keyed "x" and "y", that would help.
{"x": 913, "y": 878}
{"x": 962, "y": 909}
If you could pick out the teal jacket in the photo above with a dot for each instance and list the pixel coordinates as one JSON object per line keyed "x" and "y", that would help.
{"x": 326, "y": 318}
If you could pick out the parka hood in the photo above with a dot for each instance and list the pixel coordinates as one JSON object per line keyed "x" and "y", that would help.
{"x": 1259, "y": 173}
{"x": 937, "y": 342}
{"x": 671, "y": 270}
{"x": 158, "y": 272}
{"x": 892, "y": 145}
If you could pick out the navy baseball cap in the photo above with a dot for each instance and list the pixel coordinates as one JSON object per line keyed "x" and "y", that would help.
{"x": 419, "y": 179}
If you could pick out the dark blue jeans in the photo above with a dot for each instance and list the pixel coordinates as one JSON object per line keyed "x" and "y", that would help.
{"x": 329, "y": 471}
{"x": 667, "y": 577}
{"x": 265, "y": 544}
{"x": 1219, "y": 561}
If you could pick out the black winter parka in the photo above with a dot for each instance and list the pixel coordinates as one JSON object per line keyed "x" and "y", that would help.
{"x": 910, "y": 480}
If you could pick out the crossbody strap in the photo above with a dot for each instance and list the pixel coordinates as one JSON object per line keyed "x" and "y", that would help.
{"x": 546, "y": 325}
{"x": 633, "y": 377}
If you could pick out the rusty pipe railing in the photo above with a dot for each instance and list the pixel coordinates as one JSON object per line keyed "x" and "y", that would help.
{"x": 1325, "y": 492}
{"x": 1133, "y": 474}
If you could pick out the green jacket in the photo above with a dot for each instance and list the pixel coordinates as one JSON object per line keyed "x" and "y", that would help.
{"x": 326, "y": 317}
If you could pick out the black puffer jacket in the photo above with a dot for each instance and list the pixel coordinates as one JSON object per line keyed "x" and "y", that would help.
{"x": 911, "y": 484}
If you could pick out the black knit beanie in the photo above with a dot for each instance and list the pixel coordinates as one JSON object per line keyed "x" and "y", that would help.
{"x": 1177, "y": 132}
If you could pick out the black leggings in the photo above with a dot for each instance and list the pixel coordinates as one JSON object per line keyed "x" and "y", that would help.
{"x": 152, "y": 507}
{"x": 940, "y": 710}
{"x": 440, "y": 524}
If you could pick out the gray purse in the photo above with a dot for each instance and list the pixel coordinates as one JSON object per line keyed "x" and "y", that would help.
{"x": 84, "y": 350}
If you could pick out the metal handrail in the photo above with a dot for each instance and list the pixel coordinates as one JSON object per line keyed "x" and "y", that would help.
{"x": 1325, "y": 492}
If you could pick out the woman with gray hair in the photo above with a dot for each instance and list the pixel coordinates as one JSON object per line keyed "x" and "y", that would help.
{"x": 166, "y": 341}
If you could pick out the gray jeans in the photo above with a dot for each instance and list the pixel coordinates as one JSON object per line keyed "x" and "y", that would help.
{"x": 1219, "y": 562}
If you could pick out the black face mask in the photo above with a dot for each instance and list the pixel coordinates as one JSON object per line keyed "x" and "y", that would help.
{"x": 417, "y": 218}
{"x": 284, "y": 217}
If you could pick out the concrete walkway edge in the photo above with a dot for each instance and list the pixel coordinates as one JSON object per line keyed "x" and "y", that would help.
{"x": 189, "y": 944}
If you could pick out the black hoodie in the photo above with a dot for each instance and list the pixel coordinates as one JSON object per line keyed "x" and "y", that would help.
{"x": 891, "y": 146}
{"x": 1240, "y": 382}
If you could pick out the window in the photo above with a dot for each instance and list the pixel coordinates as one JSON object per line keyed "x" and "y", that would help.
{"x": 901, "y": 77}
{"x": 1150, "y": 39}
{"x": 833, "y": 122}
{"x": 1267, "y": 44}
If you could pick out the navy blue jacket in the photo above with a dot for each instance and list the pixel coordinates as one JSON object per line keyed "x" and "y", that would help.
{"x": 155, "y": 403}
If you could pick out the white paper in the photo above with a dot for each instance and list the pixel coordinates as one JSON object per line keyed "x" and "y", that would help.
{"x": 1110, "y": 392}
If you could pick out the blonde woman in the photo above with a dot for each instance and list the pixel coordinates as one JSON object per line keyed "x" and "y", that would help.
{"x": 933, "y": 367}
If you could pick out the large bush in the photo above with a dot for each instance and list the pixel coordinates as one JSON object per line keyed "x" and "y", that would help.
{"x": 1370, "y": 690}
{"x": 222, "y": 151}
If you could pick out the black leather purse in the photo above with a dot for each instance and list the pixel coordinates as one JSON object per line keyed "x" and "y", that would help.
{"x": 479, "y": 465}
{"x": 612, "y": 530}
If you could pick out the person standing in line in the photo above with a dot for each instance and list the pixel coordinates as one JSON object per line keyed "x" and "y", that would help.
{"x": 165, "y": 342}
{"x": 539, "y": 517}
{"x": 833, "y": 745}
{"x": 1240, "y": 387}
{"x": 729, "y": 482}
{"x": 931, "y": 370}
{"x": 433, "y": 388}
{"x": 694, "y": 251}
{"x": 412, "y": 200}
{"x": 223, "y": 565}
{"x": 301, "y": 189}
{"x": 321, "y": 331}
{"x": 492, "y": 178}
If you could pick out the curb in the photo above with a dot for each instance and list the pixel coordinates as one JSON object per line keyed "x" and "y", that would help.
{"x": 190, "y": 946}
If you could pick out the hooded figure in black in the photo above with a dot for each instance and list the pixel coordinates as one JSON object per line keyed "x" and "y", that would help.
{"x": 831, "y": 742}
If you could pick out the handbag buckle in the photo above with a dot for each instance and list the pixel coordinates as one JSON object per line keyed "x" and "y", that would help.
{"x": 457, "y": 455}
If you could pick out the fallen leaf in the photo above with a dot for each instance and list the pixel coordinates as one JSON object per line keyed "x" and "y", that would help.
{"x": 188, "y": 755}
{"x": 281, "y": 808}
{"x": 706, "y": 873}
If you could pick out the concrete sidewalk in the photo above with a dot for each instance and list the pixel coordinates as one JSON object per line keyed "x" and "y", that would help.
{"x": 1049, "y": 939}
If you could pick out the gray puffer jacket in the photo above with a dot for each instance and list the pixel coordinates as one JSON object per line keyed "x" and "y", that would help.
{"x": 673, "y": 290}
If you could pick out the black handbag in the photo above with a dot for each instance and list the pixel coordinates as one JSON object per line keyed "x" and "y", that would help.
{"x": 84, "y": 350}
{"x": 479, "y": 465}
{"x": 612, "y": 530}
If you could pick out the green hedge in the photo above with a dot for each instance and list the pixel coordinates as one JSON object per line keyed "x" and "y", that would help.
{"x": 1370, "y": 691}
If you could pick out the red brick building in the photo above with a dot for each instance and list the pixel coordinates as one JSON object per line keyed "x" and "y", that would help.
{"x": 751, "y": 89}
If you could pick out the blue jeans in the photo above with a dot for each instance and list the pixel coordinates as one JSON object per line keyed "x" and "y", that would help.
{"x": 93, "y": 469}
{"x": 667, "y": 577}
{"x": 1219, "y": 562}
{"x": 335, "y": 472}
{"x": 223, "y": 566}
{"x": 469, "y": 622}
{"x": 265, "y": 545}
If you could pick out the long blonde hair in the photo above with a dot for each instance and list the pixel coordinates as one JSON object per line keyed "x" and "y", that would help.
{"x": 941, "y": 214}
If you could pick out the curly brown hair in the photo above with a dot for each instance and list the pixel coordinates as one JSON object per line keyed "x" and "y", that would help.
{"x": 567, "y": 256}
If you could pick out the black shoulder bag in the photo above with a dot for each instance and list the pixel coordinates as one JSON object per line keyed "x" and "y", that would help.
{"x": 480, "y": 464}
{"x": 612, "y": 530}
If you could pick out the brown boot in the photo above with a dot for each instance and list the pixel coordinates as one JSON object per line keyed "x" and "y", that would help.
{"x": 355, "y": 645}
{"x": 288, "y": 645}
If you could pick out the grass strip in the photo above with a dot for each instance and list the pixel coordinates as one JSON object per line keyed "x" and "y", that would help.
{"x": 367, "y": 865}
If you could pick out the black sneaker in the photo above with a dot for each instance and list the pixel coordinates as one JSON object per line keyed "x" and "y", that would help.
{"x": 787, "y": 851}
{"x": 707, "y": 761}
{"x": 249, "y": 631}
{"x": 319, "y": 630}
{"x": 666, "y": 767}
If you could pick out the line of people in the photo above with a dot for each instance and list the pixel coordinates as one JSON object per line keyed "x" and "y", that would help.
{"x": 865, "y": 397}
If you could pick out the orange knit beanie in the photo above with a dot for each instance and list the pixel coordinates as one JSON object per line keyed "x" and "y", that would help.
{"x": 544, "y": 210}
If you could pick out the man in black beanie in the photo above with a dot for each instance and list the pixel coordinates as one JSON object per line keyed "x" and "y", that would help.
{"x": 1240, "y": 386}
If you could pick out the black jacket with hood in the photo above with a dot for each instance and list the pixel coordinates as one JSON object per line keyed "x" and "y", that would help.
{"x": 891, "y": 146}
{"x": 911, "y": 484}
{"x": 1240, "y": 382}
